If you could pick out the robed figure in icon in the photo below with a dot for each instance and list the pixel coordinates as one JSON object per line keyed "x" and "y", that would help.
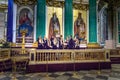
{"x": 54, "y": 26}
{"x": 79, "y": 27}
{"x": 25, "y": 23}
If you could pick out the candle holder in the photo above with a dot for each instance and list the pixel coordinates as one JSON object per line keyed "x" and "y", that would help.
{"x": 23, "y": 32}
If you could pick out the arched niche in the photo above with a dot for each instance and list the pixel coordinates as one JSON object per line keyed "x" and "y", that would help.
{"x": 103, "y": 25}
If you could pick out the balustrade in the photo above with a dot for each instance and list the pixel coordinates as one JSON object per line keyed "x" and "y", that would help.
{"x": 37, "y": 56}
{"x": 66, "y": 56}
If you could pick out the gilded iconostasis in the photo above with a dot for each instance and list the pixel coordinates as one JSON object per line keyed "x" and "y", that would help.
{"x": 26, "y": 19}
{"x": 60, "y": 15}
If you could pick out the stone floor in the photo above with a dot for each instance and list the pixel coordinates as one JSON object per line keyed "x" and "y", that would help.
{"x": 69, "y": 75}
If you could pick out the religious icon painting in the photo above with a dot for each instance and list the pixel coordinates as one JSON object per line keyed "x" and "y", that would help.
{"x": 25, "y": 25}
{"x": 54, "y": 22}
{"x": 79, "y": 25}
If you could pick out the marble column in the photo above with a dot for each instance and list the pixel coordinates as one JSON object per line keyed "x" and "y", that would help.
{"x": 10, "y": 21}
{"x": 41, "y": 18}
{"x": 92, "y": 24}
{"x": 68, "y": 18}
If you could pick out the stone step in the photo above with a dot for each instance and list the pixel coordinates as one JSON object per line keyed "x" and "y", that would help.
{"x": 117, "y": 70}
{"x": 115, "y": 66}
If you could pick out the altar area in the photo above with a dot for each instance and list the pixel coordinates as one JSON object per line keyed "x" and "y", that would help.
{"x": 46, "y": 19}
{"x": 59, "y": 35}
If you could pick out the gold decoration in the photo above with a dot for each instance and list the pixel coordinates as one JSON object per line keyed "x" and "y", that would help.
{"x": 3, "y": 6}
{"x": 93, "y": 45}
{"x": 58, "y": 11}
{"x": 23, "y": 32}
{"x": 54, "y": 3}
{"x": 80, "y": 5}
{"x": 35, "y": 44}
{"x": 25, "y": 2}
{"x": 13, "y": 44}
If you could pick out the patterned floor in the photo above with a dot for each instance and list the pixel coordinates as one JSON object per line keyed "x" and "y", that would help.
{"x": 79, "y": 75}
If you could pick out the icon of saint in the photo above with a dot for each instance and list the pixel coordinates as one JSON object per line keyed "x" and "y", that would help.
{"x": 54, "y": 26}
{"x": 79, "y": 27}
{"x": 25, "y": 23}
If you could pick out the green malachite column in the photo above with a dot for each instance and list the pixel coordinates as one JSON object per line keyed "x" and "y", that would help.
{"x": 41, "y": 11}
{"x": 118, "y": 27}
{"x": 68, "y": 16}
{"x": 92, "y": 21}
{"x": 92, "y": 24}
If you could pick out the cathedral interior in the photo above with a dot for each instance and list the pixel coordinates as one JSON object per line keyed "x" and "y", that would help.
{"x": 59, "y": 40}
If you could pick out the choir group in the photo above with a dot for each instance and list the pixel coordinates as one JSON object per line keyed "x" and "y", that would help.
{"x": 58, "y": 43}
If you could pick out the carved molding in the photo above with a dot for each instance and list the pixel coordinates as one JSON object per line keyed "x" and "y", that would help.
{"x": 76, "y": 5}
{"x": 3, "y": 6}
{"x": 54, "y": 3}
{"x": 81, "y": 6}
{"x": 25, "y": 2}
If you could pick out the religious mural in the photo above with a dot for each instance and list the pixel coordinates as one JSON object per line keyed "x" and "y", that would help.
{"x": 25, "y": 22}
{"x": 79, "y": 27}
{"x": 54, "y": 26}
{"x": 80, "y": 19}
{"x": 54, "y": 22}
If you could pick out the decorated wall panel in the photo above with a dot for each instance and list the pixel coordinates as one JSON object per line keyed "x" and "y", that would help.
{"x": 54, "y": 26}
{"x": 25, "y": 21}
{"x": 80, "y": 24}
{"x": 3, "y": 24}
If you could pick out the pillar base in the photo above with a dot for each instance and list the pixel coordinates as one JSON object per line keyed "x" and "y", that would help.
{"x": 93, "y": 45}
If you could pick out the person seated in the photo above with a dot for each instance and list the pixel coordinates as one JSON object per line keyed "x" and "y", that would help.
{"x": 55, "y": 43}
{"x": 45, "y": 43}
{"x": 77, "y": 44}
{"x": 51, "y": 42}
{"x": 71, "y": 43}
{"x": 66, "y": 43}
{"x": 60, "y": 43}
{"x": 40, "y": 43}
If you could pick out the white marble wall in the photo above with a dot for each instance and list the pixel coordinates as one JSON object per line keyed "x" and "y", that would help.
{"x": 2, "y": 25}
